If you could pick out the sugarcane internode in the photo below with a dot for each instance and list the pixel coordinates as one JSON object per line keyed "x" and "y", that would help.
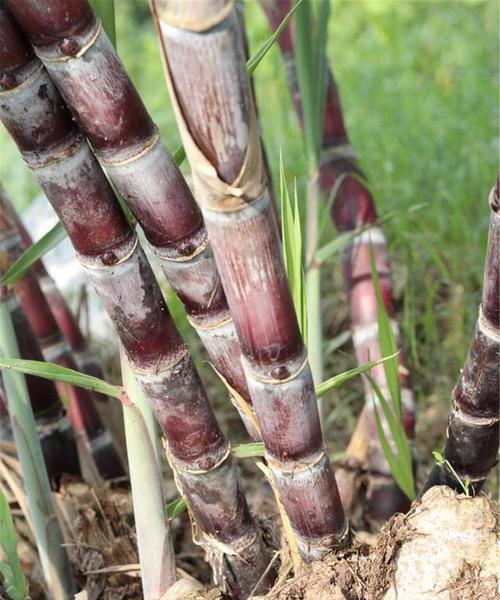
{"x": 129, "y": 147}
{"x": 472, "y": 435}
{"x": 108, "y": 249}
{"x": 231, "y": 187}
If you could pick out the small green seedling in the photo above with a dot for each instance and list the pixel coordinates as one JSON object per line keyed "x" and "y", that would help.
{"x": 441, "y": 461}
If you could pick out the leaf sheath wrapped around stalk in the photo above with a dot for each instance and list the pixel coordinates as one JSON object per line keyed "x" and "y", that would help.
{"x": 472, "y": 435}
{"x": 205, "y": 59}
{"x": 84, "y": 65}
{"x": 109, "y": 251}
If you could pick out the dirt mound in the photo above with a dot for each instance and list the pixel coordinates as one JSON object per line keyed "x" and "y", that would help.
{"x": 444, "y": 549}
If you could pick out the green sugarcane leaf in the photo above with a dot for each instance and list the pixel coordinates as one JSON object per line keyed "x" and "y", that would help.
{"x": 337, "y": 380}
{"x": 254, "y": 60}
{"x": 338, "y": 244}
{"x": 398, "y": 467}
{"x": 24, "y": 263}
{"x": 176, "y": 507}
{"x": 395, "y": 426}
{"x": 105, "y": 10}
{"x": 54, "y": 372}
{"x": 12, "y": 574}
{"x": 291, "y": 229}
{"x": 251, "y": 450}
{"x": 401, "y": 462}
{"x": 311, "y": 26}
{"x": 387, "y": 340}
{"x": 179, "y": 155}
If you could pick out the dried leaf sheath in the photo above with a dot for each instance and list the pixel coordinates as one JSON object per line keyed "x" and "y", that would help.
{"x": 85, "y": 67}
{"x": 354, "y": 207}
{"x": 108, "y": 249}
{"x": 472, "y": 435}
{"x": 205, "y": 56}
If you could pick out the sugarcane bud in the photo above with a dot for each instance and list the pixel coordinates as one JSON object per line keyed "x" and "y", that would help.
{"x": 8, "y": 81}
{"x": 69, "y": 46}
{"x": 280, "y": 372}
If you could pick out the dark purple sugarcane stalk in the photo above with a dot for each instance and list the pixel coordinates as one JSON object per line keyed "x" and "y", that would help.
{"x": 66, "y": 320}
{"x": 108, "y": 249}
{"x": 54, "y": 431}
{"x": 81, "y": 410}
{"x": 354, "y": 207}
{"x": 205, "y": 58}
{"x": 79, "y": 57}
{"x": 472, "y": 434}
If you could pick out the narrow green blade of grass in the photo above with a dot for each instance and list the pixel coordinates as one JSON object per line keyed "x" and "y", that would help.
{"x": 47, "y": 532}
{"x": 337, "y": 244}
{"x": 105, "y": 10}
{"x": 55, "y": 372}
{"x": 254, "y": 60}
{"x": 13, "y": 579}
{"x": 176, "y": 507}
{"x": 24, "y": 263}
{"x": 395, "y": 426}
{"x": 337, "y": 380}
{"x": 387, "y": 340}
{"x": 292, "y": 250}
{"x": 311, "y": 27}
{"x": 401, "y": 462}
{"x": 179, "y": 155}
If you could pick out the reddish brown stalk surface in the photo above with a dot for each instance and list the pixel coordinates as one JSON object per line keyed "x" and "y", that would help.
{"x": 75, "y": 50}
{"x": 473, "y": 427}
{"x": 54, "y": 431}
{"x": 205, "y": 58}
{"x": 86, "y": 361}
{"x": 354, "y": 207}
{"x": 108, "y": 249}
{"x": 79, "y": 403}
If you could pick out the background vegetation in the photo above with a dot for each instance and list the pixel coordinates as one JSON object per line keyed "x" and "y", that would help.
{"x": 418, "y": 82}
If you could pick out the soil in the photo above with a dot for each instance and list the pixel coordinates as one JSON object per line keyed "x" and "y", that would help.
{"x": 443, "y": 549}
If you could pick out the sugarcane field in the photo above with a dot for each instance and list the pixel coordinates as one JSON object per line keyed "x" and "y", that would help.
{"x": 249, "y": 299}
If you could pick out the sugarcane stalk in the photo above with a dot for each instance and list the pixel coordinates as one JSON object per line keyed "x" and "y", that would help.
{"x": 354, "y": 207}
{"x": 84, "y": 65}
{"x": 49, "y": 540}
{"x": 472, "y": 434}
{"x": 82, "y": 413}
{"x": 108, "y": 250}
{"x": 66, "y": 320}
{"x": 54, "y": 431}
{"x": 156, "y": 553}
{"x": 204, "y": 57}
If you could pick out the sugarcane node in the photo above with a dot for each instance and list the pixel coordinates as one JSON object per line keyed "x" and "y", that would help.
{"x": 281, "y": 372}
{"x": 69, "y": 46}
{"x": 8, "y": 81}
